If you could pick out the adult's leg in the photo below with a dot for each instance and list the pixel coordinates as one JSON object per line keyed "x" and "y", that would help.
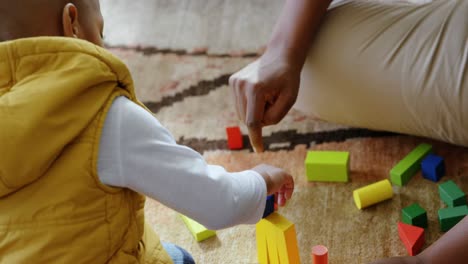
{"x": 397, "y": 67}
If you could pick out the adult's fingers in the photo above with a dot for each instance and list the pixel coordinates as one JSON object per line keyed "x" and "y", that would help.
{"x": 254, "y": 117}
{"x": 255, "y": 135}
{"x": 278, "y": 109}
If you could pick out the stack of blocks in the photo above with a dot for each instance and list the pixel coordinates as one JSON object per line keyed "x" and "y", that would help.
{"x": 329, "y": 166}
{"x": 276, "y": 240}
{"x": 457, "y": 209}
{"x": 198, "y": 231}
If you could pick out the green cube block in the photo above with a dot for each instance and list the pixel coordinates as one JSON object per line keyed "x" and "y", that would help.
{"x": 328, "y": 166}
{"x": 451, "y": 194}
{"x": 449, "y": 217}
{"x": 414, "y": 215}
{"x": 198, "y": 231}
{"x": 409, "y": 165}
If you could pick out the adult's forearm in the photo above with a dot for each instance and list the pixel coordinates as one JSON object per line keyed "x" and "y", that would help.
{"x": 451, "y": 247}
{"x": 295, "y": 28}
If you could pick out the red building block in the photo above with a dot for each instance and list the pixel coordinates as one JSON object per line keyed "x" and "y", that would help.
{"x": 234, "y": 137}
{"x": 412, "y": 237}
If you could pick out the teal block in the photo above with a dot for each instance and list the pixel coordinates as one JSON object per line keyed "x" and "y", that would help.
{"x": 449, "y": 217}
{"x": 327, "y": 166}
{"x": 414, "y": 215}
{"x": 451, "y": 194}
{"x": 409, "y": 165}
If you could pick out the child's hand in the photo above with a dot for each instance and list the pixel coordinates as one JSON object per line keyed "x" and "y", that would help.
{"x": 277, "y": 181}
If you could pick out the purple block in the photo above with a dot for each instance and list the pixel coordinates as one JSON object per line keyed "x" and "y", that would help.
{"x": 433, "y": 167}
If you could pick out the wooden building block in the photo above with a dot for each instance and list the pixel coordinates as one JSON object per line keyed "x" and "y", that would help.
{"x": 286, "y": 239}
{"x": 414, "y": 215}
{"x": 412, "y": 237}
{"x": 261, "y": 233}
{"x": 319, "y": 255}
{"x": 373, "y": 193}
{"x": 409, "y": 165}
{"x": 433, "y": 167}
{"x": 269, "y": 206}
{"x": 449, "y": 217}
{"x": 234, "y": 137}
{"x": 451, "y": 194}
{"x": 328, "y": 166}
{"x": 281, "y": 242}
{"x": 198, "y": 231}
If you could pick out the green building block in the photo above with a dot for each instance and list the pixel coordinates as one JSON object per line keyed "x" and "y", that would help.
{"x": 451, "y": 194}
{"x": 449, "y": 217}
{"x": 409, "y": 165}
{"x": 328, "y": 166}
{"x": 414, "y": 215}
{"x": 198, "y": 231}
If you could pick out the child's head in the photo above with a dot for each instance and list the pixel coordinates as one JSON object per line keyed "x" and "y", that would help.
{"x": 70, "y": 18}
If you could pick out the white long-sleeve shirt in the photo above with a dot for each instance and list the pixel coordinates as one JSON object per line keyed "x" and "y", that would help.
{"x": 138, "y": 153}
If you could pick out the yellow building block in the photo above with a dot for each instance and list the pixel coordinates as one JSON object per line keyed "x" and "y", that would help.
{"x": 373, "y": 193}
{"x": 281, "y": 240}
{"x": 261, "y": 231}
{"x": 198, "y": 231}
{"x": 273, "y": 256}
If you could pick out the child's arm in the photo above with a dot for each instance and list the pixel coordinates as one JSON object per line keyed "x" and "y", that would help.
{"x": 450, "y": 248}
{"x": 136, "y": 152}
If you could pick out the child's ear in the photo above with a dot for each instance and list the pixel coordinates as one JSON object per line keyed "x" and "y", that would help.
{"x": 70, "y": 21}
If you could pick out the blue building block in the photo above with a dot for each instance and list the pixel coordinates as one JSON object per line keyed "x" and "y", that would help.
{"x": 433, "y": 167}
{"x": 270, "y": 205}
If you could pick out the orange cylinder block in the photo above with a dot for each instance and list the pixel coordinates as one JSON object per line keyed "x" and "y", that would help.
{"x": 319, "y": 255}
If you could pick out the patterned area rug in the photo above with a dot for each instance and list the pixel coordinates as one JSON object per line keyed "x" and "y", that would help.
{"x": 190, "y": 96}
{"x": 182, "y": 77}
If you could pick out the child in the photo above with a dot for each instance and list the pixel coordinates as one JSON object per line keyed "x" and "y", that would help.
{"x": 78, "y": 149}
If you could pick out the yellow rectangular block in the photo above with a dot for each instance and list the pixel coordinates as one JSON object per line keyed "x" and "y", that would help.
{"x": 285, "y": 239}
{"x": 289, "y": 240}
{"x": 261, "y": 232}
{"x": 272, "y": 243}
{"x": 198, "y": 231}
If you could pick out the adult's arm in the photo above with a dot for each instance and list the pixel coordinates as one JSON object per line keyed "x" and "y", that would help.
{"x": 266, "y": 90}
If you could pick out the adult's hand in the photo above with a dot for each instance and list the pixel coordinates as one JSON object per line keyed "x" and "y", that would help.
{"x": 264, "y": 92}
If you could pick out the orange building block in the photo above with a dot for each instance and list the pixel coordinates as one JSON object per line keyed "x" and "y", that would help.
{"x": 319, "y": 255}
{"x": 234, "y": 137}
{"x": 412, "y": 237}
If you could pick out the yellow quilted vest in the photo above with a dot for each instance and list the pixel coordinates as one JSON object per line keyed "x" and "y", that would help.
{"x": 54, "y": 96}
